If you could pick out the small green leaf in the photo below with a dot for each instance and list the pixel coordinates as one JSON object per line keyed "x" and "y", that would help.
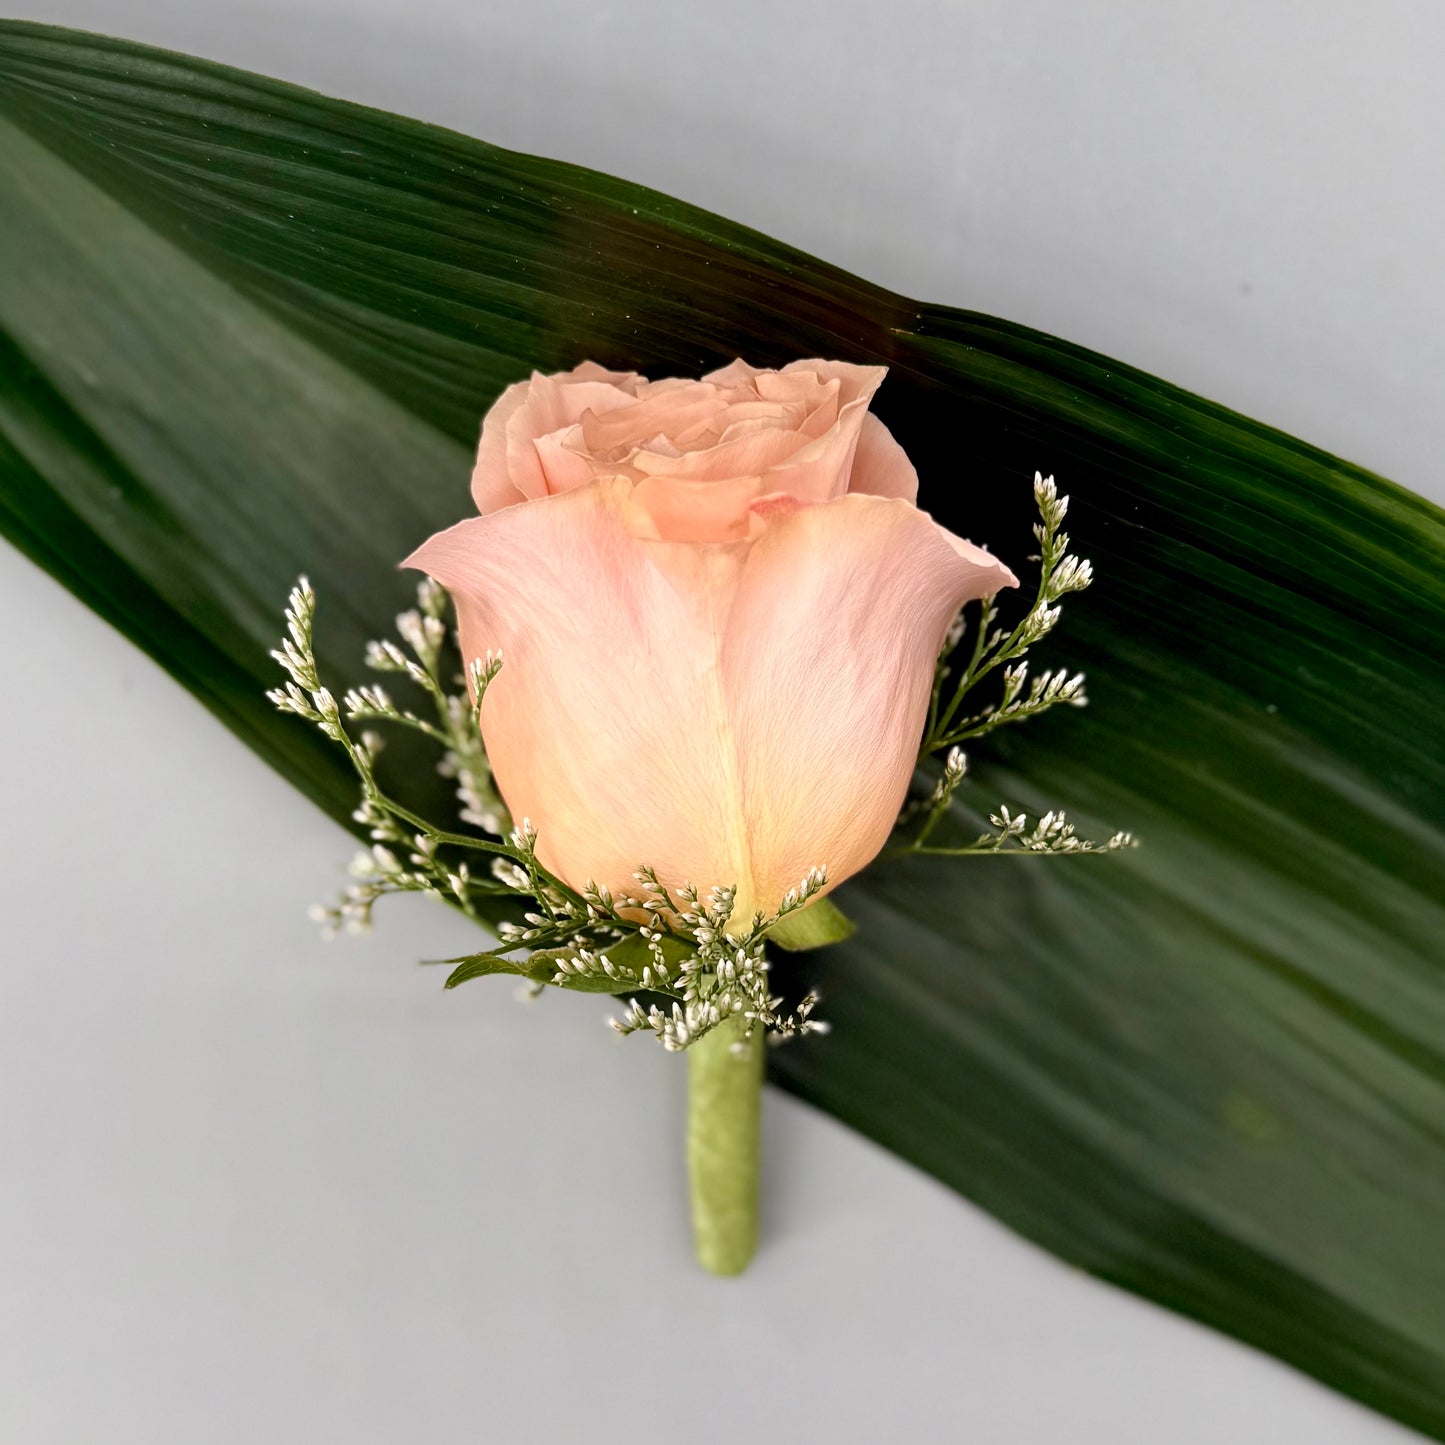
{"x": 822, "y": 922}
{"x": 630, "y": 955}
{"x": 483, "y": 965}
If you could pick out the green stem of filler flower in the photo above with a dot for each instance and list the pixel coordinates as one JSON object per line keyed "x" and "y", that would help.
{"x": 724, "y": 1109}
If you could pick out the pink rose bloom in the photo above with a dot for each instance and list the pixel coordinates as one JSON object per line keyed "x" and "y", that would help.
{"x": 719, "y": 611}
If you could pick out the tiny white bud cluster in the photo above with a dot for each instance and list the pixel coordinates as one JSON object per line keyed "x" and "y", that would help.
{"x": 1052, "y": 833}
{"x": 725, "y": 975}
{"x": 481, "y": 671}
{"x": 394, "y": 833}
{"x": 1060, "y": 573}
{"x": 303, "y": 694}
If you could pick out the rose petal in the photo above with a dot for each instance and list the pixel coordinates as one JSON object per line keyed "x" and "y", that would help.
{"x": 606, "y": 724}
{"x": 734, "y": 376}
{"x": 753, "y": 451}
{"x": 813, "y": 461}
{"x": 551, "y": 407}
{"x": 978, "y": 557}
{"x": 740, "y": 418}
{"x": 855, "y": 381}
{"x": 827, "y": 666}
{"x": 667, "y": 412}
{"x": 698, "y": 511}
{"x": 880, "y": 466}
{"x": 507, "y": 470}
{"x": 820, "y": 468}
{"x": 563, "y": 457}
{"x": 492, "y": 484}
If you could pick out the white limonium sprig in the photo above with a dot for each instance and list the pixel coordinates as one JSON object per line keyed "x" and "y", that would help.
{"x": 1021, "y": 697}
{"x": 1052, "y": 833}
{"x": 694, "y": 963}
{"x": 425, "y": 631}
{"x": 726, "y": 975}
{"x": 407, "y": 854}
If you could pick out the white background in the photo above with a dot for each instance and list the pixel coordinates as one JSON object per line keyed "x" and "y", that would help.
{"x": 260, "y": 1189}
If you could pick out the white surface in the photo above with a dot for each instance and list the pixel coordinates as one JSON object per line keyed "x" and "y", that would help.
{"x": 261, "y": 1189}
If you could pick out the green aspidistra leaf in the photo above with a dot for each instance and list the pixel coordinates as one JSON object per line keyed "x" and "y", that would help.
{"x": 247, "y": 331}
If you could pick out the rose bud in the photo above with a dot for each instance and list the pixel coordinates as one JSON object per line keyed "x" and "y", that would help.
{"x": 719, "y": 610}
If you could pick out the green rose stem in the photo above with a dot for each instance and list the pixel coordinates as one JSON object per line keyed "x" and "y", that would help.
{"x": 724, "y": 1110}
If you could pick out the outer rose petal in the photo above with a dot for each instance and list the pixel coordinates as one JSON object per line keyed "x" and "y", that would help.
{"x": 606, "y": 725}
{"x": 730, "y": 713}
{"x": 492, "y": 485}
{"x": 827, "y": 665}
{"x": 880, "y": 466}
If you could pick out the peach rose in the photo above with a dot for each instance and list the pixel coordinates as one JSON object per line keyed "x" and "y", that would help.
{"x": 719, "y": 610}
